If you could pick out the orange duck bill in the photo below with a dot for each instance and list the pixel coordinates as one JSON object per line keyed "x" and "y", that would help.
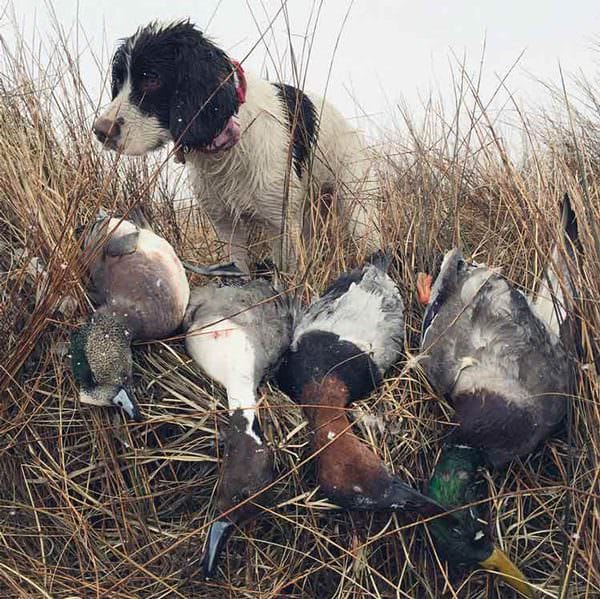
{"x": 424, "y": 282}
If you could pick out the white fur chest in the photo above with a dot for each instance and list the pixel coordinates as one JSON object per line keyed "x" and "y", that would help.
{"x": 253, "y": 175}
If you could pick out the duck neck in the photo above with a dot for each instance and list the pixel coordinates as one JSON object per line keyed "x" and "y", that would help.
{"x": 242, "y": 396}
{"x": 325, "y": 404}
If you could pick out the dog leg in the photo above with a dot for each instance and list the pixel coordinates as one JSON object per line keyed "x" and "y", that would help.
{"x": 234, "y": 234}
{"x": 285, "y": 246}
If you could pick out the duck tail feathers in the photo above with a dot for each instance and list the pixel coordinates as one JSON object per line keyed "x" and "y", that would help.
{"x": 555, "y": 297}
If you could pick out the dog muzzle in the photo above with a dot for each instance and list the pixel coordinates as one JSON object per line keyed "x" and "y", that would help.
{"x": 229, "y": 136}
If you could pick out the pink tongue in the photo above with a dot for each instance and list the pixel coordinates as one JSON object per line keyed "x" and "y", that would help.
{"x": 227, "y": 138}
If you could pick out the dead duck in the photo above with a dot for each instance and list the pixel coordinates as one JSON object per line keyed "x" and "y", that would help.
{"x": 496, "y": 355}
{"x": 464, "y": 540}
{"x": 142, "y": 292}
{"x": 236, "y": 334}
{"x": 342, "y": 345}
{"x": 506, "y": 365}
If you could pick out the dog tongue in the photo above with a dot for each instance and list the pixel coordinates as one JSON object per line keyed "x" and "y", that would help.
{"x": 227, "y": 138}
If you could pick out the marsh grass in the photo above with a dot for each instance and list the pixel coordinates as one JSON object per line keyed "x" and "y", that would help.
{"x": 92, "y": 506}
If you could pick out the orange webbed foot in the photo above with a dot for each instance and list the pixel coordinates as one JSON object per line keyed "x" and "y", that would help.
{"x": 424, "y": 282}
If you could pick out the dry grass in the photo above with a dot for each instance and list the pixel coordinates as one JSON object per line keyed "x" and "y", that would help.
{"x": 91, "y": 506}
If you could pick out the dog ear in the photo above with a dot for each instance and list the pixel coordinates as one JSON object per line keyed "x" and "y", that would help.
{"x": 204, "y": 98}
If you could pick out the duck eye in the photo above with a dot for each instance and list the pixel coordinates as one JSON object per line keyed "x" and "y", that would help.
{"x": 150, "y": 81}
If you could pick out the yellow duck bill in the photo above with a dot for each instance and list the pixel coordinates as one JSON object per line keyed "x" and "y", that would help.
{"x": 499, "y": 562}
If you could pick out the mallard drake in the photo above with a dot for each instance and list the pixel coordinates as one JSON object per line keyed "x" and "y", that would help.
{"x": 342, "y": 345}
{"x": 498, "y": 356}
{"x": 141, "y": 290}
{"x": 464, "y": 540}
{"x": 505, "y": 363}
{"x": 236, "y": 334}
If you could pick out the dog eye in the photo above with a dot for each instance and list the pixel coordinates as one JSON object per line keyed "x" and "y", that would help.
{"x": 150, "y": 81}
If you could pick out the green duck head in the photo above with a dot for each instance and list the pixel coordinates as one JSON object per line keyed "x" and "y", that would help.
{"x": 463, "y": 538}
{"x": 101, "y": 362}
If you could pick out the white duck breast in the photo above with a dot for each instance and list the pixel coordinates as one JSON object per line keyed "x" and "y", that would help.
{"x": 236, "y": 334}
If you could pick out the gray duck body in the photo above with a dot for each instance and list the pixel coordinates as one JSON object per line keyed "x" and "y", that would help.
{"x": 488, "y": 351}
{"x": 255, "y": 311}
{"x": 236, "y": 334}
{"x": 363, "y": 307}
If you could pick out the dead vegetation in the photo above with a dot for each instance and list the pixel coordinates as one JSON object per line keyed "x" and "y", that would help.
{"x": 93, "y": 507}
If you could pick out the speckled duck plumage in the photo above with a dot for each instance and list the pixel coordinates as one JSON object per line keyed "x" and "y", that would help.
{"x": 141, "y": 291}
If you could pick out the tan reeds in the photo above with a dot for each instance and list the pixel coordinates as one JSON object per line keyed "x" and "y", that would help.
{"x": 90, "y": 506}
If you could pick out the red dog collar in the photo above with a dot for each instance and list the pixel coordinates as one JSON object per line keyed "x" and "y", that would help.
{"x": 240, "y": 81}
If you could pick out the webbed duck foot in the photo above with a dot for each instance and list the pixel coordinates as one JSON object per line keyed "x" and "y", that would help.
{"x": 424, "y": 282}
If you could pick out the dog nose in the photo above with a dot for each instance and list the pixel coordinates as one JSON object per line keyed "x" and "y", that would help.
{"x": 107, "y": 129}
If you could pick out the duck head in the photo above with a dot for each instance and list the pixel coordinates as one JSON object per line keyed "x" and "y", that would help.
{"x": 101, "y": 363}
{"x": 349, "y": 472}
{"x": 247, "y": 469}
{"x": 462, "y": 538}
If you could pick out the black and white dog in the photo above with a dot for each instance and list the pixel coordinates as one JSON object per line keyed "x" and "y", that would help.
{"x": 252, "y": 147}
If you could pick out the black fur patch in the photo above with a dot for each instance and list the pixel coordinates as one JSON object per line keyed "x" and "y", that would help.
{"x": 302, "y": 121}
{"x": 119, "y": 70}
{"x": 320, "y": 354}
{"x": 195, "y": 99}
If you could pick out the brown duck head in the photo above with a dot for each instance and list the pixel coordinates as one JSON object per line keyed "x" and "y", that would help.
{"x": 247, "y": 469}
{"x": 349, "y": 472}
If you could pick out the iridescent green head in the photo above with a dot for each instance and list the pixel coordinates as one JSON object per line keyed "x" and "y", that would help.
{"x": 463, "y": 538}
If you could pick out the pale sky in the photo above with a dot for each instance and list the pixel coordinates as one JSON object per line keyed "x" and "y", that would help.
{"x": 389, "y": 51}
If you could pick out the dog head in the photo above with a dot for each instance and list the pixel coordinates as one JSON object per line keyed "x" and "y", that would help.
{"x": 170, "y": 83}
